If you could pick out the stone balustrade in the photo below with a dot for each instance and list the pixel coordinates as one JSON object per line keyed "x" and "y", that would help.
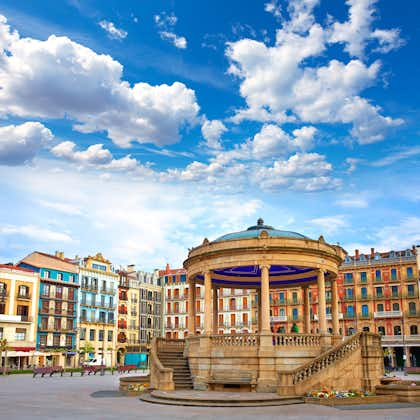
{"x": 302, "y": 340}
{"x": 241, "y": 340}
{"x": 161, "y": 377}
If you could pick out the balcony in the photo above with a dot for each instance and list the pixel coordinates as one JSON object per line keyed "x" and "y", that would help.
{"x": 413, "y": 339}
{"x": 387, "y": 314}
{"x": 23, "y": 296}
{"x": 412, "y": 278}
{"x": 412, "y": 314}
{"x": 394, "y": 280}
{"x": 4, "y": 294}
{"x": 329, "y": 316}
{"x": 279, "y": 318}
{"x": 349, "y": 298}
{"x": 15, "y": 318}
{"x": 89, "y": 287}
{"x": 365, "y": 297}
{"x": 349, "y": 316}
{"x": 94, "y": 320}
{"x": 294, "y": 302}
{"x": 124, "y": 298}
{"x": 133, "y": 327}
{"x": 108, "y": 290}
{"x": 364, "y": 316}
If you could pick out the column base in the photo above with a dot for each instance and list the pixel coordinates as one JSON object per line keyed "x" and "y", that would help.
{"x": 326, "y": 341}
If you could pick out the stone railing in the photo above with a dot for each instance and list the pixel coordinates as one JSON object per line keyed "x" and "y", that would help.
{"x": 160, "y": 377}
{"x": 241, "y": 340}
{"x": 293, "y": 382}
{"x": 302, "y": 340}
{"x": 163, "y": 344}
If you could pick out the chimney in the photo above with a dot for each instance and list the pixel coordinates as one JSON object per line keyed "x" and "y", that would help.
{"x": 131, "y": 268}
{"x": 372, "y": 252}
{"x": 59, "y": 254}
{"x": 168, "y": 269}
{"x": 356, "y": 254}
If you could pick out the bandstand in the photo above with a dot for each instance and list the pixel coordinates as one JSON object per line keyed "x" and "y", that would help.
{"x": 264, "y": 258}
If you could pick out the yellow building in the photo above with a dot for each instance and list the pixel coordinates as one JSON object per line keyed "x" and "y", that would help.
{"x": 19, "y": 288}
{"x": 97, "y": 333}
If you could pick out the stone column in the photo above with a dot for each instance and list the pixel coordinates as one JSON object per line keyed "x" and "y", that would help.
{"x": 306, "y": 310}
{"x": 265, "y": 299}
{"x": 191, "y": 307}
{"x": 334, "y": 307}
{"x": 322, "y": 317}
{"x": 215, "y": 311}
{"x": 259, "y": 310}
{"x": 208, "y": 312}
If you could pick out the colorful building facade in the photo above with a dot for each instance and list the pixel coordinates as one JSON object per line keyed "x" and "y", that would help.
{"x": 97, "y": 309}
{"x": 19, "y": 289}
{"x": 57, "y": 308}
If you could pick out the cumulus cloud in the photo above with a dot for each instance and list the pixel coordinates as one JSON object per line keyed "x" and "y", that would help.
{"x": 36, "y": 233}
{"x": 65, "y": 208}
{"x": 112, "y": 31}
{"x": 212, "y": 131}
{"x": 279, "y": 85}
{"x": 20, "y": 143}
{"x": 274, "y": 8}
{"x": 330, "y": 224}
{"x": 94, "y": 155}
{"x": 59, "y": 78}
{"x": 166, "y": 24}
{"x": 356, "y": 33}
{"x": 352, "y": 201}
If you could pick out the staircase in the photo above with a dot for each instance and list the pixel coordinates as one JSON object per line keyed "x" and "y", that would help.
{"x": 172, "y": 356}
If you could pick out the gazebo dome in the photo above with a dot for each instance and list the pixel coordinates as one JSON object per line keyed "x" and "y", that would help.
{"x": 255, "y": 231}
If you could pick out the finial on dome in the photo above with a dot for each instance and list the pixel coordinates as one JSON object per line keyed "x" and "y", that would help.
{"x": 260, "y": 222}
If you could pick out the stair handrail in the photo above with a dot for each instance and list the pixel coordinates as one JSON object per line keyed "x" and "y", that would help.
{"x": 289, "y": 378}
{"x": 161, "y": 377}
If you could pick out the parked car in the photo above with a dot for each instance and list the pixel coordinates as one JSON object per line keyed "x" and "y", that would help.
{"x": 91, "y": 362}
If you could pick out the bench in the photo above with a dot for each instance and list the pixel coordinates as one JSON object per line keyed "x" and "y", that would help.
{"x": 50, "y": 370}
{"x": 5, "y": 370}
{"x": 412, "y": 369}
{"x": 225, "y": 382}
{"x": 91, "y": 369}
{"x": 127, "y": 368}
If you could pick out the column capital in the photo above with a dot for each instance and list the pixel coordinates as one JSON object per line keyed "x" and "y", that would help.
{"x": 265, "y": 265}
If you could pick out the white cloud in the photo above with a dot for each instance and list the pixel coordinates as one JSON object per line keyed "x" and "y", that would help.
{"x": 279, "y": 85}
{"x": 20, "y": 143}
{"x": 36, "y": 233}
{"x": 94, "y": 155}
{"x": 59, "y": 78}
{"x": 65, "y": 208}
{"x": 166, "y": 24}
{"x": 330, "y": 224}
{"x": 274, "y": 8}
{"x": 354, "y": 200}
{"x": 353, "y": 163}
{"x": 112, "y": 31}
{"x": 356, "y": 32}
{"x": 397, "y": 155}
{"x": 177, "y": 41}
{"x": 389, "y": 237}
{"x": 212, "y": 131}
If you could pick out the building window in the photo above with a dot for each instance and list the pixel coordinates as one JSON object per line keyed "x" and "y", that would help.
{"x": 380, "y": 307}
{"x": 349, "y": 293}
{"x": 92, "y": 335}
{"x": 295, "y": 314}
{"x": 394, "y": 291}
{"x": 348, "y": 277}
{"x": 397, "y": 330}
{"x": 350, "y": 310}
{"x": 23, "y": 311}
{"x": 1, "y": 333}
{"x": 42, "y": 340}
{"x": 110, "y": 335}
{"x": 101, "y": 335}
{"x": 46, "y": 274}
{"x": 363, "y": 292}
{"x": 378, "y": 275}
{"x": 59, "y": 276}
{"x": 363, "y": 276}
{"x": 412, "y": 308}
{"x": 393, "y": 274}
{"x": 381, "y": 330}
{"x": 23, "y": 292}
{"x": 69, "y": 341}
{"x": 379, "y": 291}
{"x": 281, "y": 297}
{"x": 396, "y": 306}
{"x": 410, "y": 290}
{"x": 365, "y": 310}
{"x": 56, "y": 341}
{"x": 83, "y": 333}
{"x": 409, "y": 272}
{"x": 46, "y": 290}
{"x": 58, "y": 292}
{"x": 366, "y": 329}
{"x": 413, "y": 330}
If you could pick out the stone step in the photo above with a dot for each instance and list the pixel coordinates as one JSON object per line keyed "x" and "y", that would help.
{"x": 223, "y": 402}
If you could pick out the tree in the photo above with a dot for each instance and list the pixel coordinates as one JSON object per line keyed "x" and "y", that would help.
{"x": 3, "y": 348}
{"x": 295, "y": 329}
{"x": 86, "y": 349}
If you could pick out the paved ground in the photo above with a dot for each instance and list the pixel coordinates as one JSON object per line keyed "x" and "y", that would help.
{"x": 95, "y": 397}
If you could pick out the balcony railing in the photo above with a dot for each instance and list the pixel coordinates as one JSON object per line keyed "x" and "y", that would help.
{"x": 26, "y": 296}
{"x": 329, "y": 316}
{"x": 387, "y": 314}
{"x": 89, "y": 287}
{"x": 108, "y": 290}
{"x": 412, "y": 314}
{"x": 278, "y": 318}
{"x": 97, "y": 320}
{"x": 364, "y": 316}
{"x": 15, "y": 318}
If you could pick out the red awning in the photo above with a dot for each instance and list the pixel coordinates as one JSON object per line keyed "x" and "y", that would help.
{"x": 23, "y": 348}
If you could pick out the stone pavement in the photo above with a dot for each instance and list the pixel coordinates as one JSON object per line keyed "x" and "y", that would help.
{"x": 96, "y": 397}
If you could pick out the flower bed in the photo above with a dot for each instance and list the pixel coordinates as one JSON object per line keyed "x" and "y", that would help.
{"x": 134, "y": 385}
{"x": 351, "y": 397}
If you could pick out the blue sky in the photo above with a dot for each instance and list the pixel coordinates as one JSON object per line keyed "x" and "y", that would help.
{"x": 138, "y": 129}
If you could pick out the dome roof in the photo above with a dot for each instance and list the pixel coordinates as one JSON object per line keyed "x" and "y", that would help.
{"x": 254, "y": 232}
